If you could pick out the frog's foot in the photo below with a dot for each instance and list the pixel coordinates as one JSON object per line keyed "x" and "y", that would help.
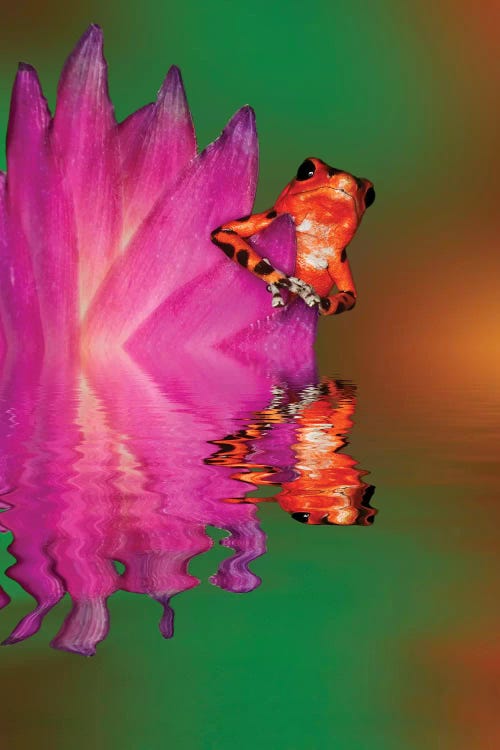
{"x": 301, "y": 289}
{"x": 279, "y": 393}
{"x": 310, "y": 394}
{"x": 277, "y": 300}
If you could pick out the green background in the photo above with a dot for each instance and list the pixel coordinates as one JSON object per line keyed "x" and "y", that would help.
{"x": 358, "y": 638}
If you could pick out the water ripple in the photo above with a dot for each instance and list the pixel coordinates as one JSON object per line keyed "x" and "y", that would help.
{"x": 111, "y": 477}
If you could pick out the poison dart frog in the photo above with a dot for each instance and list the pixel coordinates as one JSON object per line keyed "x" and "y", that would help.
{"x": 326, "y": 205}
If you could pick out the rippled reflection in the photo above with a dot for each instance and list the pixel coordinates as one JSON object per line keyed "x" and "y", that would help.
{"x": 294, "y": 444}
{"x": 110, "y": 476}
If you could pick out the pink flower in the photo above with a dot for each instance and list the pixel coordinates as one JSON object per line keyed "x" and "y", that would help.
{"x": 129, "y": 344}
{"x": 105, "y": 227}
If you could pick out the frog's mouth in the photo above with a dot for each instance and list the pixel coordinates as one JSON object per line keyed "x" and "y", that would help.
{"x": 341, "y": 190}
{"x": 329, "y": 187}
{"x": 336, "y": 190}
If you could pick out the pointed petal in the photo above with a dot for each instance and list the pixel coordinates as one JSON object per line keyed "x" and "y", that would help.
{"x": 173, "y": 244}
{"x": 31, "y": 624}
{"x": 84, "y": 136}
{"x": 27, "y": 131}
{"x": 130, "y": 130}
{"x": 4, "y": 598}
{"x": 40, "y": 212}
{"x": 161, "y": 147}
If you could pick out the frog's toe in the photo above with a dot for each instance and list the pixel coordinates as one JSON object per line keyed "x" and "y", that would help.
{"x": 304, "y": 291}
{"x": 311, "y": 299}
{"x": 278, "y": 302}
{"x": 277, "y": 299}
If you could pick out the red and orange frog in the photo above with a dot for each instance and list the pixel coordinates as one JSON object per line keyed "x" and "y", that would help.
{"x": 326, "y": 205}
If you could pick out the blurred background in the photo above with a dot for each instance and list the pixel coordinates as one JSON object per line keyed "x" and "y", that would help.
{"x": 405, "y": 94}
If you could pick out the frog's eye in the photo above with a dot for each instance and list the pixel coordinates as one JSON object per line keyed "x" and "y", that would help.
{"x": 300, "y": 517}
{"x": 306, "y": 170}
{"x": 369, "y": 197}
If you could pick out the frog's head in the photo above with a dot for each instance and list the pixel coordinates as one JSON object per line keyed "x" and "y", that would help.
{"x": 348, "y": 506}
{"x": 330, "y": 194}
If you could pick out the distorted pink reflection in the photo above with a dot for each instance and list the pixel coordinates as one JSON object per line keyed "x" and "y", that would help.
{"x": 129, "y": 344}
{"x": 107, "y": 465}
{"x": 110, "y": 464}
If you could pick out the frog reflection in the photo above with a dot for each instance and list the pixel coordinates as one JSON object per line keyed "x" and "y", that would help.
{"x": 295, "y": 443}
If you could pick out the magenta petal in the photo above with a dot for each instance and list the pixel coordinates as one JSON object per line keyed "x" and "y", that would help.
{"x": 166, "y": 624}
{"x": 188, "y": 491}
{"x": 4, "y": 598}
{"x": 159, "y": 144}
{"x": 19, "y": 310}
{"x": 31, "y": 624}
{"x": 26, "y": 138}
{"x": 130, "y": 130}
{"x": 219, "y": 303}
{"x": 281, "y": 339}
{"x": 3, "y": 254}
{"x": 283, "y": 342}
{"x": 230, "y": 309}
{"x": 40, "y": 212}
{"x": 84, "y": 137}
{"x": 19, "y": 393}
{"x": 249, "y": 542}
{"x": 173, "y": 244}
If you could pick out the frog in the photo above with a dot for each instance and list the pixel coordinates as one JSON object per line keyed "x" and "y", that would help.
{"x": 326, "y": 205}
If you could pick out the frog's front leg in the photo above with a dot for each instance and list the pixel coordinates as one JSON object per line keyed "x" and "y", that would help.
{"x": 232, "y": 238}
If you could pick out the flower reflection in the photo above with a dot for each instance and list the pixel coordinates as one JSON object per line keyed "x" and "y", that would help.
{"x": 111, "y": 465}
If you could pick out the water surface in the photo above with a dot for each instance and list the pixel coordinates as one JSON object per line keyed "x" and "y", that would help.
{"x": 350, "y": 603}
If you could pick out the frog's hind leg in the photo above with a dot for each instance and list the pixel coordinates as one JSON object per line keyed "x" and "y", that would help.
{"x": 345, "y": 299}
{"x": 337, "y": 303}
